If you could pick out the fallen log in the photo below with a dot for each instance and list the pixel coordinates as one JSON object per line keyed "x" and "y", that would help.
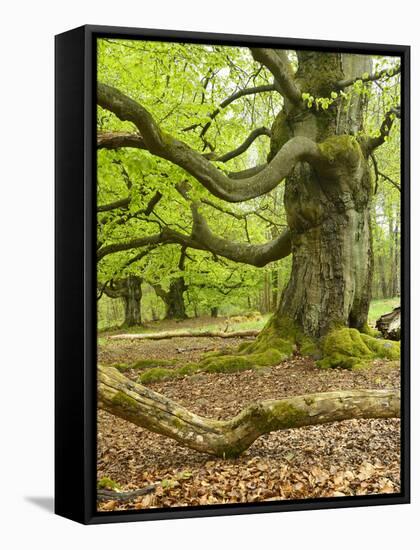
{"x": 124, "y": 496}
{"x": 186, "y": 334}
{"x": 229, "y": 438}
{"x": 390, "y": 324}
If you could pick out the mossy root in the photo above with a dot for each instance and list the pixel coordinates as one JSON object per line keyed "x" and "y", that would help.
{"x": 350, "y": 349}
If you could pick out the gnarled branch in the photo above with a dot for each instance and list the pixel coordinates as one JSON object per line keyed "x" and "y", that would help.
{"x": 121, "y": 203}
{"x": 117, "y": 140}
{"x": 125, "y": 202}
{"x": 229, "y": 438}
{"x": 202, "y": 238}
{"x": 277, "y": 63}
{"x": 253, "y": 254}
{"x": 165, "y": 146}
{"x": 388, "y": 73}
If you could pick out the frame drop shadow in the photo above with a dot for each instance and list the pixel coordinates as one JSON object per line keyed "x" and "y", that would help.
{"x": 46, "y": 503}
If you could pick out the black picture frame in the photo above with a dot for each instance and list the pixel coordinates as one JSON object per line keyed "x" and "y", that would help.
{"x": 75, "y": 272}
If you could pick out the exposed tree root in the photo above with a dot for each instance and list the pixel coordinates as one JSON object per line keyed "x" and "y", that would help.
{"x": 350, "y": 349}
{"x": 229, "y": 438}
{"x": 341, "y": 347}
{"x": 275, "y": 343}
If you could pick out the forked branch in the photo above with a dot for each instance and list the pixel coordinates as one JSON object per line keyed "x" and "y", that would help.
{"x": 277, "y": 63}
{"x": 384, "y": 131}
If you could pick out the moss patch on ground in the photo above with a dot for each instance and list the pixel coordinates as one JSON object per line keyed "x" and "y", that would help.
{"x": 350, "y": 349}
{"x": 108, "y": 483}
{"x": 144, "y": 364}
{"x": 278, "y": 341}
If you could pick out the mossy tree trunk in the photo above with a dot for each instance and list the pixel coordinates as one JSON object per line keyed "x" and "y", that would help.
{"x": 327, "y": 204}
{"x": 317, "y": 146}
{"x": 229, "y": 438}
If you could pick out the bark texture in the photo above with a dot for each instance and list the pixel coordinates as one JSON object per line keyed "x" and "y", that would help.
{"x": 328, "y": 204}
{"x": 229, "y": 438}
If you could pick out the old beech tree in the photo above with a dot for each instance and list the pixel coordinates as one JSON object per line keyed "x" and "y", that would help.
{"x": 320, "y": 152}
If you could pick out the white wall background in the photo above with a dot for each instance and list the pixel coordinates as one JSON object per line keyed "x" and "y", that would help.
{"x": 26, "y": 236}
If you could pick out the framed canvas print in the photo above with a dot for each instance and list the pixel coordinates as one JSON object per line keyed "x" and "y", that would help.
{"x": 232, "y": 274}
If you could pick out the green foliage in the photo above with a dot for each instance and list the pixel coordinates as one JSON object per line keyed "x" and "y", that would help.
{"x": 170, "y": 80}
{"x": 182, "y": 85}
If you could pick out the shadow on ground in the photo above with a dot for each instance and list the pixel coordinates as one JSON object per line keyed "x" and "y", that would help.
{"x": 46, "y": 503}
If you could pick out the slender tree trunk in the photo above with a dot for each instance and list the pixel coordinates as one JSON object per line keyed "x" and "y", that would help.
{"x": 382, "y": 276}
{"x": 395, "y": 266}
{"x": 214, "y": 311}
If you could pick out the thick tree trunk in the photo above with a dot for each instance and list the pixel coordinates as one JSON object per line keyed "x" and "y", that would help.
{"x": 229, "y": 438}
{"x": 327, "y": 206}
{"x": 129, "y": 289}
{"x": 174, "y": 297}
{"x": 175, "y": 305}
{"x": 332, "y": 263}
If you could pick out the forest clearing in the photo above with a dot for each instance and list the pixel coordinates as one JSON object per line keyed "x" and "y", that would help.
{"x": 355, "y": 457}
{"x": 248, "y": 242}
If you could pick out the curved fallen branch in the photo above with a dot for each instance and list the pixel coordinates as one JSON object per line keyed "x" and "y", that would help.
{"x": 125, "y": 496}
{"x": 185, "y": 334}
{"x": 229, "y": 438}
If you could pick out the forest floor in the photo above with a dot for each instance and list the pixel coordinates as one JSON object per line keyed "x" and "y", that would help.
{"x": 354, "y": 457}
